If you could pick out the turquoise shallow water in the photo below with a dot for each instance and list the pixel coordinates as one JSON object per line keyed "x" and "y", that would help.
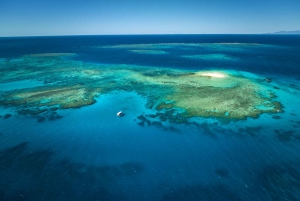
{"x": 20, "y": 84}
{"x": 89, "y": 153}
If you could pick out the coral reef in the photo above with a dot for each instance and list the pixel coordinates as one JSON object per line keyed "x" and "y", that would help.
{"x": 72, "y": 84}
{"x": 212, "y": 95}
{"x": 65, "y": 97}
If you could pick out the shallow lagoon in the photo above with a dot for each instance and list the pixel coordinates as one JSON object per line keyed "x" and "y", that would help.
{"x": 89, "y": 153}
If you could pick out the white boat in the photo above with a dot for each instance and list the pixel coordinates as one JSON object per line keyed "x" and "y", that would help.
{"x": 119, "y": 113}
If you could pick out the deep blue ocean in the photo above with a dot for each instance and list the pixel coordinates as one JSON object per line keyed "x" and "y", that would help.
{"x": 89, "y": 153}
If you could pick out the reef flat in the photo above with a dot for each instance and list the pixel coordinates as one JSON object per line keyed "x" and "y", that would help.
{"x": 69, "y": 83}
{"x": 213, "y": 94}
{"x": 65, "y": 96}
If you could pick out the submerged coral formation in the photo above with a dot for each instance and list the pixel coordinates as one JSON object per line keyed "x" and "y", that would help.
{"x": 211, "y": 57}
{"x": 149, "y": 51}
{"x": 281, "y": 181}
{"x": 71, "y": 84}
{"x": 214, "y": 94}
{"x": 65, "y": 97}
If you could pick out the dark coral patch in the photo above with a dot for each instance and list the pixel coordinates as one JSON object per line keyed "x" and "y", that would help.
{"x": 36, "y": 175}
{"x": 164, "y": 105}
{"x": 41, "y": 119}
{"x": 284, "y": 136}
{"x": 6, "y": 116}
{"x": 281, "y": 181}
{"x": 251, "y": 130}
{"x": 155, "y": 120}
{"x": 31, "y": 111}
{"x": 276, "y": 117}
{"x": 216, "y": 192}
{"x": 221, "y": 172}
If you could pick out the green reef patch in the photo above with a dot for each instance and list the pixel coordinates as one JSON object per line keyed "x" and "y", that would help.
{"x": 65, "y": 97}
{"x": 214, "y": 94}
{"x": 72, "y": 84}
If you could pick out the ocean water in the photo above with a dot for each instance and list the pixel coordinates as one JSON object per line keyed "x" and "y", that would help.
{"x": 59, "y": 145}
